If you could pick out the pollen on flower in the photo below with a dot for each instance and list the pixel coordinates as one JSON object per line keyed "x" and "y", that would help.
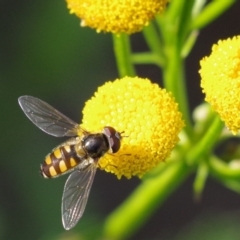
{"x": 147, "y": 115}
{"x": 220, "y": 73}
{"x": 116, "y": 16}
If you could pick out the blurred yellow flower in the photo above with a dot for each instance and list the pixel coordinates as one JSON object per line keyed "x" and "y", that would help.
{"x": 116, "y": 16}
{"x": 147, "y": 114}
{"x": 220, "y": 73}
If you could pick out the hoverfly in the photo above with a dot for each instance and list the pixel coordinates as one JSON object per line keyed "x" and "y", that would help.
{"x": 79, "y": 154}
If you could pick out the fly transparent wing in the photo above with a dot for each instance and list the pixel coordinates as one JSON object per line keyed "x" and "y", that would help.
{"x": 47, "y": 118}
{"x": 75, "y": 195}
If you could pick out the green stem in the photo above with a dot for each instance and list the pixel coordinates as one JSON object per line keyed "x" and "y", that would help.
{"x": 152, "y": 192}
{"x": 145, "y": 58}
{"x": 174, "y": 81}
{"x": 184, "y": 21}
{"x": 200, "y": 180}
{"x": 188, "y": 45}
{"x": 223, "y": 170}
{"x": 213, "y": 10}
{"x": 154, "y": 43}
{"x": 174, "y": 10}
{"x": 122, "y": 51}
{"x": 202, "y": 125}
{"x": 206, "y": 143}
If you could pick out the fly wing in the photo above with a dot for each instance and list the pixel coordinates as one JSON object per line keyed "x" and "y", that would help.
{"x": 47, "y": 118}
{"x": 75, "y": 195}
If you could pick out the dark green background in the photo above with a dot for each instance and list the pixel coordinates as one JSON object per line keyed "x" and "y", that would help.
{"x": 45, "y": 53}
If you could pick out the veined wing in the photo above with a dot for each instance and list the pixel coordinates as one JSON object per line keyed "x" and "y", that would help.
{"x": 75, "y": 195}
{"x": 47, "y": 118}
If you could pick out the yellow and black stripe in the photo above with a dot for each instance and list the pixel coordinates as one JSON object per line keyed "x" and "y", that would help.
{"x": 60, "y": 160}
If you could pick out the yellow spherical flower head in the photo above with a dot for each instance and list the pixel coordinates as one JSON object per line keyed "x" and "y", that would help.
{"x": 116, "y": 16}
{"x": 148, "y": 118}
{"x": 220, "y": 73}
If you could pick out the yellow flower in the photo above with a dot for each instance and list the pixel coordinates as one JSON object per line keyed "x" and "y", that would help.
{"x": 147, "y": 114}
{"x": 116, "y": 16}
{"x": 220, "y": 73}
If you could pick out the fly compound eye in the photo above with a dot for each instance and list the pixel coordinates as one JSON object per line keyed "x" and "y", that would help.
{"x": 114, "y": 138}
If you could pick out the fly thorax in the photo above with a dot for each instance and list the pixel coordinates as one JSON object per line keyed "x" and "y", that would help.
{"x": 80, "y": 151}
{"x": 95, "y": 145}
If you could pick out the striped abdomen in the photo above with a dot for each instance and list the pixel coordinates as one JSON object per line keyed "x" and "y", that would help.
{"x": 60, "y": 161}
